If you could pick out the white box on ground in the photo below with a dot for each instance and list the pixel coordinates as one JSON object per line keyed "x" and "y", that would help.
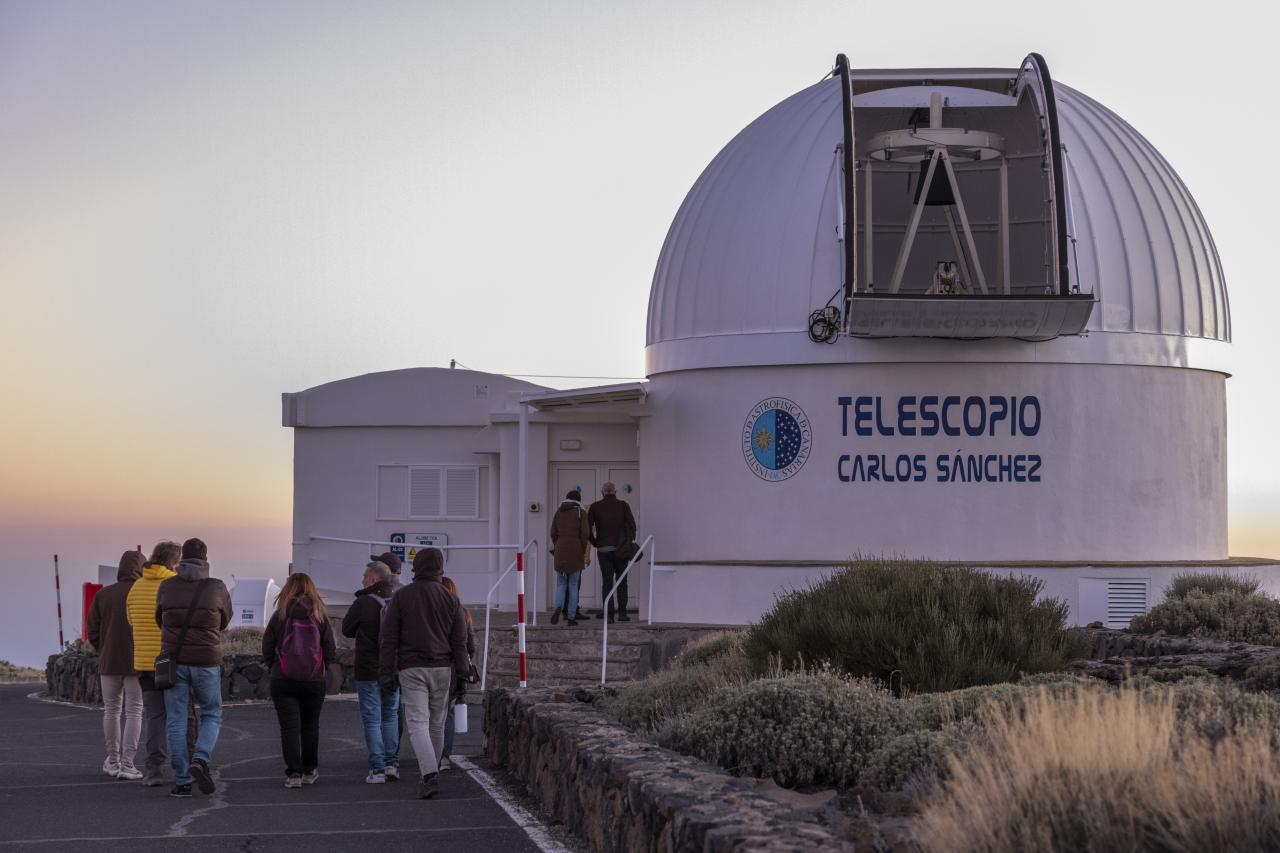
{"x": 252, "y": 601}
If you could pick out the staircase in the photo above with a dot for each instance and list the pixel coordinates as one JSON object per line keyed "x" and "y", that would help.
{"x": 560, "y": 656}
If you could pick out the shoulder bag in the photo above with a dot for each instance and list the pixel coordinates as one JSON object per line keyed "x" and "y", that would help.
{"x": 167, "y": 662}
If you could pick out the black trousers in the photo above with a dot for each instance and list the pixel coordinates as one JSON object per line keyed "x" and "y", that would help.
{"x": 298, "y": 706}
{"x": 611, "y": 565}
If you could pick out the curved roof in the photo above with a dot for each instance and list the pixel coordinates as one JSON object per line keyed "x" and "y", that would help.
{"x": 751, "y": 251}
{"x": 415, "y": 396}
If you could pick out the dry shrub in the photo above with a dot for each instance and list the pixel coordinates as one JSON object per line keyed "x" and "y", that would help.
{"x": 799, "y": 729}
{"x": 918, "y": 625}
{"x": 914, "y": 762}
{"x": 1215, "y": 606}
{"x": 703, "y": 649}
{"x": 1106, "y": 770}
{"x": 1211, "y": 582}
{"x": 647, "y": 703}
{"x": 246, "y": 640}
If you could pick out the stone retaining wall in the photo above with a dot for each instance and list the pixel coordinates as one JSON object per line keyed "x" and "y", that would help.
{"x": 619, "y": 792}
{"x": 73, "y": 676}
{"x": 1116, "y": 653}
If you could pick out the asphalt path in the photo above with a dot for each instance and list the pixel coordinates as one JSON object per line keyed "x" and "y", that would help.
{"x": 54, "y": 796}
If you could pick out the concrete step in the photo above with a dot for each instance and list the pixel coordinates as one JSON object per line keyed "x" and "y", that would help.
{"x": 510, "y": 678}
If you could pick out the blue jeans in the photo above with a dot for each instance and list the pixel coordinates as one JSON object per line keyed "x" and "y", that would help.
{"x": 567, "y": 587}
{"x": 380, "y": 713}
{"x": 204, "y": 683}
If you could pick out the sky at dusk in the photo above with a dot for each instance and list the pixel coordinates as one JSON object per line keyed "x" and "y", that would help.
{"x": 205, "y": 204}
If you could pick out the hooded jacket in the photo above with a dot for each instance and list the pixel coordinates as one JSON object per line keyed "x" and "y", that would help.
{"x": 570, "y": 537}
{"x": 423, "y": 626}
{"x": 107, "y": 624}
{"x": 142, "y": 616}
{"x": 363, "y": 621}
{"x": 302, "y": 608}
{"x": 203, "y": 643}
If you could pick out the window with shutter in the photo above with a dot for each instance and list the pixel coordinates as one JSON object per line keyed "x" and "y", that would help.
{"x": 426, "y": 487}
{"x": 462, "y": 492}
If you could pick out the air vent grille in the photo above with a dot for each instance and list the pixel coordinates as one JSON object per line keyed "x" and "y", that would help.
{"x": 1125, "y": 600}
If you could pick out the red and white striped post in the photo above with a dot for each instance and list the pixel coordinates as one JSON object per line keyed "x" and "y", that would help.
{"x": 520, "y": 613}
{"x": 57, "y": 587}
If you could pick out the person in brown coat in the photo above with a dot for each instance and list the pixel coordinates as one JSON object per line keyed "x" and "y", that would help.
{"x": 108, "y": 631}
{"x": 571, "y": 545}
{"x": 193, "y": 595}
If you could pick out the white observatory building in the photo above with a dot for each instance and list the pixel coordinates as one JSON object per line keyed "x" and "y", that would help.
{"x": 962, "y": 314}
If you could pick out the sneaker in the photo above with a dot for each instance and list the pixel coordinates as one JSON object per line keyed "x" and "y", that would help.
{"x": 130, "y": 774}
{"x": 429, "y": 788}
{"x": 111, "y": 768}
{"x": 572, "y": 623}
{"x": 392, "y": 773}
{"x": 582, "y": 616}
{"x": 555, "y": 617}
{"x": 181, "y": 791}
{"x": 293, "y": 781}
{"x": 376, "y": 777}
{"x": 311, "y": 778}
{"x": 445, "y": 764}
{"x": 153, "y": 778}
{"x": 622, "y": 617}
{"x": 204, "y": 779}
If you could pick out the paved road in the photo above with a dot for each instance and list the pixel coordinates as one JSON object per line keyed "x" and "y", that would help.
{"x": 53, "y": 795}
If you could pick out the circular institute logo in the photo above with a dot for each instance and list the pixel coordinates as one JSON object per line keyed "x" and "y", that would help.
{"x": 776, "y": 439}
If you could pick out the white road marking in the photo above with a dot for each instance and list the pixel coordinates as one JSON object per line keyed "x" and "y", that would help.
{"x": 417, "y": 830}
{"x": 532, "y": 827}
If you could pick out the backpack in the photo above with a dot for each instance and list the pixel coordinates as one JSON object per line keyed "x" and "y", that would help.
{"x": 300, "y": 653}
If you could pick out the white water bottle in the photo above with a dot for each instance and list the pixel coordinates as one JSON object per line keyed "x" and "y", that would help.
{"x": 460, "y": 718}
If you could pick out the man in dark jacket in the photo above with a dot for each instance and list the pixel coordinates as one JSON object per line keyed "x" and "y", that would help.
{"x": 612, "y": 525}
{"x": 379, "y": 710}
{"x": 108, "y": 631}
{"x": 424, "y": 647}
{"x": 192, "y": 609}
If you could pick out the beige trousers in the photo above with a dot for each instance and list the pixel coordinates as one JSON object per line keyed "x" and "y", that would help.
{"x": 426, "y": 701}
{"x": 121, "y": 693}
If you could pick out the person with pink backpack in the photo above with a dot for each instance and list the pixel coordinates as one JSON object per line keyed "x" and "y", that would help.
{"x": 298, "y": 645}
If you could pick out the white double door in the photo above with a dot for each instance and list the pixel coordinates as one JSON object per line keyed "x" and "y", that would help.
{"x": 588, "y": 479}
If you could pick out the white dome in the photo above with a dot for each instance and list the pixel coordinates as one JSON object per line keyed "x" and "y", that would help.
{"x": 753, "y": 250}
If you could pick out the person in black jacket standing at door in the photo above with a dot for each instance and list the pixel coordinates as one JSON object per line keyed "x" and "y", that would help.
{"x": 612, "y": 525}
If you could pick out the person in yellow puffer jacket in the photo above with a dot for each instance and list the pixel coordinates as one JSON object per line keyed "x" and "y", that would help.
{"x": 141, "y": 610}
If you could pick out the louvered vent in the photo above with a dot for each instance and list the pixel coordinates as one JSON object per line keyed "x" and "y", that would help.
{"x": 462, "y": 492}
{"x": 1125, "y": 600}
{"x": 425, "y": 492}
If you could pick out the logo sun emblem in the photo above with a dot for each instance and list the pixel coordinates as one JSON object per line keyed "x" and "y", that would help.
{"x": 776, "y": 439}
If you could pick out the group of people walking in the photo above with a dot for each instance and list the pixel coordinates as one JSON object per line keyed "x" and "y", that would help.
{"x": 607, "y": 525}
{"x": 158, "y": 634}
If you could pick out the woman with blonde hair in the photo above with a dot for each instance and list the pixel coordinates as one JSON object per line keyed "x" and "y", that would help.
{"x": 298, "y": 646}
{"x": 459, "y": 691}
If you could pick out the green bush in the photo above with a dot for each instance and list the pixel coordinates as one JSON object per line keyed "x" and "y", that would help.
{"x": 13, "y": 672}
{"x": 1225, "y": 614}
{"x": 938, "y": 710}
{"x": 1264, "y": 675}
{"x": 647, "y": 703}
{"x": 914, "y": 762}
{"x": 1209, "y": 582}
{"x": 798, "y": 729}
{"x": 242, "y": 641}
{"x": 918, "y": 626}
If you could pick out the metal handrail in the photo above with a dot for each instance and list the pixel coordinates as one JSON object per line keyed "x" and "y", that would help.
{"x": 488, "y": 604}
{"x": 604, "y": 611}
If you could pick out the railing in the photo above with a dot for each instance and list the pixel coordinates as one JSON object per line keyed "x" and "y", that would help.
{"x": 530, "y": 548}
{"x": 646, "y": 546}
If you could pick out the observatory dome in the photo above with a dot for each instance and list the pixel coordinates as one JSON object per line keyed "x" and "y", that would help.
{"x": 756, "y": 247}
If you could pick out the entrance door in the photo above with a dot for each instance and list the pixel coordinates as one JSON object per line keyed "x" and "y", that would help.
{"x": 584, "y": 480}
